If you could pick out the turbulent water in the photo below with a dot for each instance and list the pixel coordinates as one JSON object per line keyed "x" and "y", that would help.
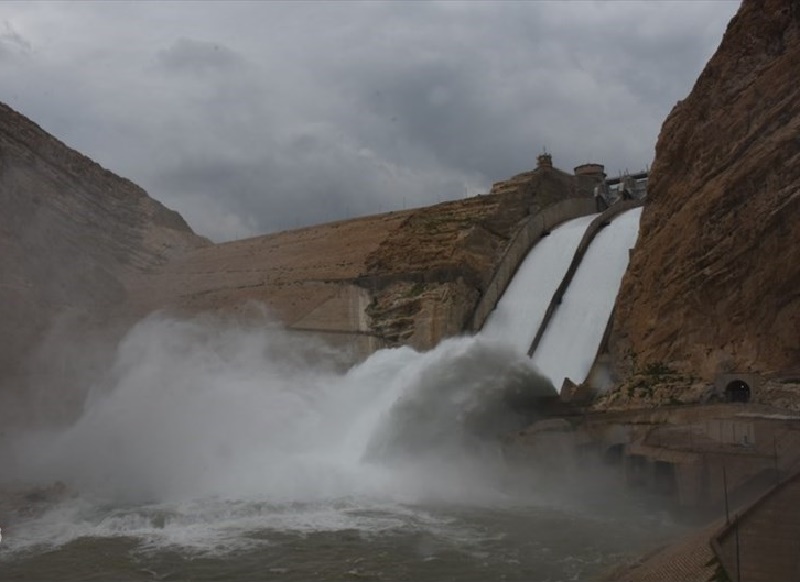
{"x": 210, "y": 449}
{"x": 521, "y": 309}
{"x": 569, "y": 345}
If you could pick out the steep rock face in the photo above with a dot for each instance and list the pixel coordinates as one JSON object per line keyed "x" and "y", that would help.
{"x": 714, "y": 282}
{"x": 426, "y": 276}
{"x": 70, "y": 232}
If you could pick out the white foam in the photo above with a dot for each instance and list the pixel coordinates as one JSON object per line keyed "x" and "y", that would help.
{"x": 208, "y": 429}
{"x": 521, "y": 309}
{"x": 205, "y": 431}
{"x": 570, "y": 343}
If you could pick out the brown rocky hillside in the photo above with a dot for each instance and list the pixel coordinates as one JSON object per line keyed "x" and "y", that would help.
{"x": 70, "y": 232}
{"x": 714, "y": 282}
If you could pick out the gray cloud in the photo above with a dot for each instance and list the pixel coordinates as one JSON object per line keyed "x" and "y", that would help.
{"x": 12, "y": 43}
{"x": 192, "y": 56}
{"x": 252, "y": 117}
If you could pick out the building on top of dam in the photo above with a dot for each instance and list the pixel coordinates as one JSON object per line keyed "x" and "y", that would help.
{"x": 587, "y": 180}
{"x": 608, "y": 191}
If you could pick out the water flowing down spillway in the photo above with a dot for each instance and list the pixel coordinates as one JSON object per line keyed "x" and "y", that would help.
{"x": 570, "y": 343}
{"x": 520, "y": 310}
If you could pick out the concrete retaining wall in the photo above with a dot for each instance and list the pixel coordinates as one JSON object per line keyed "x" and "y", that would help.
{"x": 523, "y": 241}
{"x": 343, "y": 310}
{"x": 341, "y": 321}
{"x": 761, "y": 544}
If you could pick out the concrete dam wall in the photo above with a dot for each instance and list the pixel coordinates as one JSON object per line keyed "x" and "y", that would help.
{"x": 411, "y": 277}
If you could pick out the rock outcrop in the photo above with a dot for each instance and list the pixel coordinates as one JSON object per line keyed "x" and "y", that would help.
{"x": 427, "y": 276}
{"x": 714, "y": 282}
{"x": 70, "y": 233}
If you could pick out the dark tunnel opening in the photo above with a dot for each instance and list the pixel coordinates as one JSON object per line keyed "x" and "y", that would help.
{"x": 737, "y": 391}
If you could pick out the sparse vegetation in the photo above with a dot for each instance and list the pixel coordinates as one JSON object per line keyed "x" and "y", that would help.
{"x": 720, "y": 575}
{"x": 416, "y": 290}
{"x": 631, "y": 355}
{"x": 658, "y": 369}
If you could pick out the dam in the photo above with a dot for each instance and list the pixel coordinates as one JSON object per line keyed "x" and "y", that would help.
{"x": 218, "y": 442}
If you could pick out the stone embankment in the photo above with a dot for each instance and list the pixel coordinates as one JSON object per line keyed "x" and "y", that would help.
{"x": 755, "y": 536}
{"x": 703, "y": 462}
{"x": 760, "y": 543}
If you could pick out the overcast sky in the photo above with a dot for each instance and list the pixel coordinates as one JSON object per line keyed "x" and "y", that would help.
{"x": 253, "y": 117}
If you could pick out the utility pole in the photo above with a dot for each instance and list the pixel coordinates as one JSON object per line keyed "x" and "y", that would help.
{"x": 775, "y": 450}
{"x": 738, "y": 568}
{"x": 725, "y": 490}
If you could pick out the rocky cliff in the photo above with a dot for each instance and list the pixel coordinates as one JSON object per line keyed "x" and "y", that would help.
{"x": 70, "y": 233}
{"x": 714, "y": 282}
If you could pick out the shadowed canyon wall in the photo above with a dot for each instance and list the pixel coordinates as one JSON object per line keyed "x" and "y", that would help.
{"x": 70, "y": 233}
{"x": 714, "y": 282}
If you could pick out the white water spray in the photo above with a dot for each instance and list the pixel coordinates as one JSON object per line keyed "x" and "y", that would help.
{"x": 208, "y": 409}
{"x": 521, "y": 309}
{"x": 570, "y": 343}
{"x": 204, "y": 429}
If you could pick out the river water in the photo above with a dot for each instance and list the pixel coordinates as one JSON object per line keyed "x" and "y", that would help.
{"x": 223, "y": 449}
{"x": 338, "y": 540}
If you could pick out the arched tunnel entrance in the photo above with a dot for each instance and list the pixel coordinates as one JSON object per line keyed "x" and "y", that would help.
{"x": 737, "y": 391}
